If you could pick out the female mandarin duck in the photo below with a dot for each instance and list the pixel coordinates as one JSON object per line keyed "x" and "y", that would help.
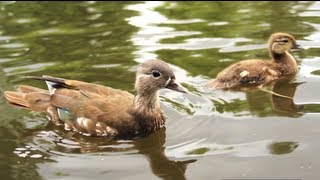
{"x": 97, "y": 110}
{"x": 260, "y": 72}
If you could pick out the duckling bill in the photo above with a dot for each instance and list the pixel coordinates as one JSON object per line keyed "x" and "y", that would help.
{"x": 261, "y": 72}
{"x": 97, "y": 110}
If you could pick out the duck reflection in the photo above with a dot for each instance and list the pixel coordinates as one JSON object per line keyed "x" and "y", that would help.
{"x": 263, "y": 102}
{"x": 151, "y": 146}
{"x": 284, "y": 87}
{"x": 282, "y": 104}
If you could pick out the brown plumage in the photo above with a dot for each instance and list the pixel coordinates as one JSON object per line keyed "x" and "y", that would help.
{"x": 259, "y": 72}
{"x": 97, "y": 110}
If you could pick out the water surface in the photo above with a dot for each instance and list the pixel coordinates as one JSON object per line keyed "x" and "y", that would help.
{"x": 208, "y": 134}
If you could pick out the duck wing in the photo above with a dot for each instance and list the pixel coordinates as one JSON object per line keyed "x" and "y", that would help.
{"x": 248, "y": 72}
{"x": 83, "y": 107}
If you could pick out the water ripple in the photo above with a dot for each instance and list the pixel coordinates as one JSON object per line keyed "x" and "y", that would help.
{"x": 197, "y": 148}
{"x": 26, "y": 69}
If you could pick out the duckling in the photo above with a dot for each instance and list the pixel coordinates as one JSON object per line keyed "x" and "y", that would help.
{"x": 97, "y": 110}
{"x": 261, "y": 72}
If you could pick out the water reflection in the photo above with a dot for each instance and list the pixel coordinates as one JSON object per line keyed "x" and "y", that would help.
{"x": 89, "y": 34}
{"x": 61, "y": 142}
{"x": 11, "y": 131}
{"x": 287, "y": 88}
{"x": 20, "y": 160}
{"x": 266, "y": 104}
{"x": 197, "y": 148}
{"x": 261, "y": 103}
{"x": 153, "y": 148}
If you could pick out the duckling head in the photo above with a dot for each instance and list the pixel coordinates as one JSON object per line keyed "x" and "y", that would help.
{"x": 153, "y": 75}
{"x": 279, "y": 43}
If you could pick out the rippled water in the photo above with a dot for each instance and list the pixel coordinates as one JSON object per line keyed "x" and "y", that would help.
{"x": 208, "y": 135}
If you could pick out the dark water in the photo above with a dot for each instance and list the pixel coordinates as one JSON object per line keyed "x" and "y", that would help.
{"x": 208, "y": 135}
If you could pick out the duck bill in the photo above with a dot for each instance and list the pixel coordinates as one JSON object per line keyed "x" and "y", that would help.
{"x": 173, "y": 85}
{"x": 297, "y": 47}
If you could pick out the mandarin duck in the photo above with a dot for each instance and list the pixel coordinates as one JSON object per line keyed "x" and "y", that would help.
{"x": 97, "y": 110}
{"x": 258, "y": 72}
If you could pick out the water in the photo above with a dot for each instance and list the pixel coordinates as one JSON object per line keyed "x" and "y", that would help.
{"x": 208, "y": 135}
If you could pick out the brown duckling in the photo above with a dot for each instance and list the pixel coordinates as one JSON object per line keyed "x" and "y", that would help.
{"x": 97, "y": 110}
{"x": 261, "y": 72}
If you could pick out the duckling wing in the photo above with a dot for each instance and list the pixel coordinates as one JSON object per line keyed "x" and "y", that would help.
{"x": 248, "y": 72}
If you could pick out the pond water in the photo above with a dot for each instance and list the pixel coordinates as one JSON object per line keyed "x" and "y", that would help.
{"x": 208, "y": 135}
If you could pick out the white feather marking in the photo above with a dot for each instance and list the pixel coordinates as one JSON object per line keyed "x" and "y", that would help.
{"x": 48, "y": 117}
{"x": 66, "y": 126}
{"x": 80, "y": 120}
{"x": 86, "y": 134}
{"x": 83, "y": 122}
{"x": 59, "y": 113}
{"x": 50, "y": 112}
{"x": 168, "y": 81}
{"x": 98, "y": 131}
{"x": 274, "y": 46}
{"x": 98, "y": 125}
{"x": 110, "y": 130}
{"x": 50, "y": 87}
{"x": 244, "y": 73}
{"x": 86, "y": 122}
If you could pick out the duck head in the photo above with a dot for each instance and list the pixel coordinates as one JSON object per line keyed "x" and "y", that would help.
{"x": 153, "y": 75}
{"x": 279, "y": 43}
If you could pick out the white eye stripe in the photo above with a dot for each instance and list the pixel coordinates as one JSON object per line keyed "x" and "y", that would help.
{"x": 168, "y": 81}
{"x": 274, "y": 45}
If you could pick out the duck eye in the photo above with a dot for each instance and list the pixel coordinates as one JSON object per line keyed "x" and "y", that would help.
{"x": 286, "y": 40}
{"x": 156, "y": 73}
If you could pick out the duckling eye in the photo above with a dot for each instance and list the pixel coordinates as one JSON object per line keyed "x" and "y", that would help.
{"x": 286, "y": 40}
{"x": 156, "y": 73}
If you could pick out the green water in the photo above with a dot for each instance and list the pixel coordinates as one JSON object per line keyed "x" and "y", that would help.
{"x": 208, "y": 134}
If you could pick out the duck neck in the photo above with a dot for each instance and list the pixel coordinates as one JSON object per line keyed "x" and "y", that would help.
{"x": 148, "y": 112}
{"x": 148, "y": 101}
{"x": 285, "y": 62}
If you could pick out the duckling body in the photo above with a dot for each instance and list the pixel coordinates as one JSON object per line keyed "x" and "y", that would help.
{"x": 260, "y": 72}
{"x": 98, "y": 110}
